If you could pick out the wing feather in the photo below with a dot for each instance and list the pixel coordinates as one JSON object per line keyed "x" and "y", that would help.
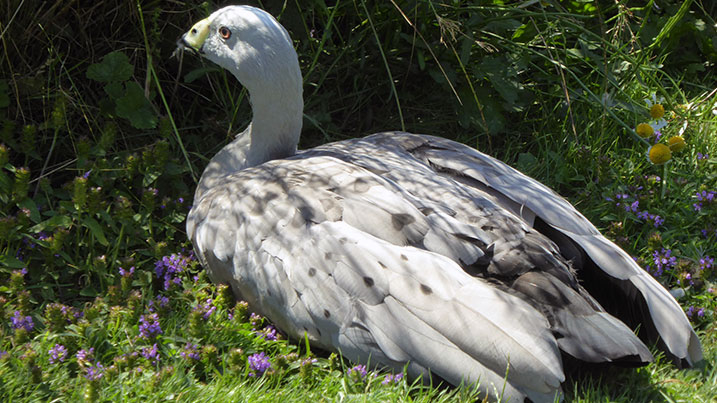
{"x": 400, "y": 249}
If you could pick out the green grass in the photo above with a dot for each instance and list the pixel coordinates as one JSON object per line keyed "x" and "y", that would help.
{"x": 104, "y": 135}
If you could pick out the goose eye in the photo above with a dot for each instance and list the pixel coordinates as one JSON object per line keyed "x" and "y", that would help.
{"x": 225, "y": 32}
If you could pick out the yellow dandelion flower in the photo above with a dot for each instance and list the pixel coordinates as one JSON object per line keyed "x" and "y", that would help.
{"x": 657, "y": 111}
{"x": 676, "y": 143}
{"x": 644, "y": 130}
{"x": 659, "y": 154}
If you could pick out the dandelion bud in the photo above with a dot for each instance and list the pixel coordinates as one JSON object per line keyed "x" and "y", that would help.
{"x": 57, "y": 240}
{"x": 79, "y": 192}
{"x": 58, "y": 112}
{"x": 22, "y": 184}
{"x": 94, "y": 200}
{"x": 23, "y": 300}
{"x": 657, "y": 111}
{"x": 107, "y": 139}
{"x": 17, "y": 280}
{"x": 160, "y": 153}
{"x": 676, "y": 143}
{"x": 306, "y": 368}
{"x": 209, "y": 355}
{"x": 165, "y": 127}
{"x": 83, "y": 148}
{"x": 236, "y": 358}
{"x": 134, "y": 302}
{"x": 160, "y": 248}
{"x": 224, "y": 296}
{"x": 21, "y": 336}
{"x": 149, "y": 196}
{"x": 123, "y": 208}
{"x": 113, "y": 294}
{"x": 55, "y": 316}
{"x": 91, "y": 394}
{"x": 196, "y": 323}
{"x": 644, "y": 130}
{"x": 28, "y": 139}
{"x": 659, "y": 154}
{"x": 132, "y": 164}
{"x": 4, "y": 155}
{"x": 240, "y": 311}
{"x": 654, "y": 242}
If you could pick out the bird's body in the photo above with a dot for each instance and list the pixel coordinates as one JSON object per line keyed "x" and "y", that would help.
{"x": 400, "y": 249}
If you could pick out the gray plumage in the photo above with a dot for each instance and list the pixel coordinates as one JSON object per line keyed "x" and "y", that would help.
{"x": 402, "y": 249}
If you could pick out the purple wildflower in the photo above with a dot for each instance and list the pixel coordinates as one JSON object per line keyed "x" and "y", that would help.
{"x": 359, "y": 370}
{"x": 159, "y": 302}
{"x": 86, "y": 174}
{"x": 191, "y": 352}
{"x": 658, "y": 134}
{"x": 149, "y": 326}
{"x": 701, "y": 312}
{"x": 258, "y": 364}
{"x": 22, "y": 322}
{"x": 690, "y": 311}
{"x": 392, "y": 378}
{"x": 208, "y": 308}
{"x": 94, "y": 373}
{"x": 57, "y": 353}
{"x": 268, "y": 333}
{"x": 126, "y": 273}
{"x": 706, "y": 263}
{"x": 169, "y": 267}
{"x": 151, "y": 354}
{"x": 658, "y": 221}
{"x": 85, "y": 356}
{"x": 663, "y": 259}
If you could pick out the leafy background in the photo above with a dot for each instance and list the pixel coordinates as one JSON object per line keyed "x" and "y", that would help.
{"x": 104, "y": 135}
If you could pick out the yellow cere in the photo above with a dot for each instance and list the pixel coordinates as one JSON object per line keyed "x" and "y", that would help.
{"x": 196, "y": 36}
{"x": 659, "y": 154}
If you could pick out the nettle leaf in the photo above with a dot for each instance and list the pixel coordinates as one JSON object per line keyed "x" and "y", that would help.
{"x": 114, "y": 66}
{"x": 115, "y": 89}
{"x": 135, "y": 107}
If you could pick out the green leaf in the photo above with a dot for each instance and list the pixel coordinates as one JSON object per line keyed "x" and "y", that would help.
{"x": 150, "y": 177}
{"x": 88, "y": 291}
{"x": 115, "y": 90}
{"x": 11, "y": 262}
{"x": 30, "y": 205}
{"x": 115, "y": 66}
{"x": 135, "y": 107}
{"x": 96, "y": 230}
{"x": 53, "y": 222}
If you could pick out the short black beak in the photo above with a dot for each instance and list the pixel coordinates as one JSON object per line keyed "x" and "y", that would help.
{"x": 182, "y": 45}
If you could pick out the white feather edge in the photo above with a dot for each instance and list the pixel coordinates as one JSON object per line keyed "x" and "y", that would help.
{"x": 670, "y": 320}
